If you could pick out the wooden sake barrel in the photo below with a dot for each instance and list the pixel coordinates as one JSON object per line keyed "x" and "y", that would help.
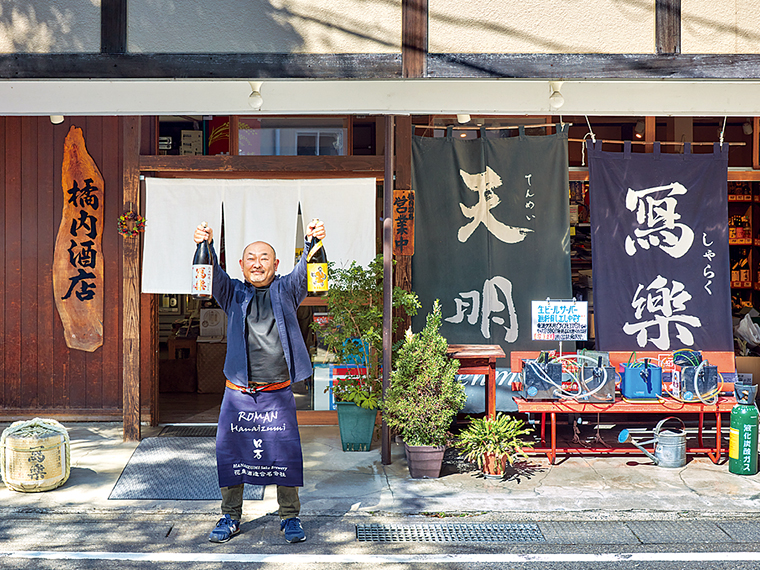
{"x": 35, "y": 455}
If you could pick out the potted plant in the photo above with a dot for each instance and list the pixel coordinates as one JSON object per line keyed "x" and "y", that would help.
{"x": 353, "y": 333}
{"x": 424, "y": 396}
{"x": 494, "y": 441}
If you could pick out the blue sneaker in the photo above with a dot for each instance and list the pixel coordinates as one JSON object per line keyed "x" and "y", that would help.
{"x": 293, "y": 530}
{"x": 225, "y": 529}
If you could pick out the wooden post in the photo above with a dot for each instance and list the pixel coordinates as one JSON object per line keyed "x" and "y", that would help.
{"x": 403, "y": 164}
{"x": 667, "y": 23}
{"x": 149, "y": 302}
{"x": 234, "y": 136}
{"x": 649, "y": 133}
{"x": 131, "y": 283}
{"x": 113, "y": 26}
{"x": 414, "y": 38}
{"x": 387, "y": 279}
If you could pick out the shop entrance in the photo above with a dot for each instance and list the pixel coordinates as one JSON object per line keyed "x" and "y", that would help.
{"x": 191, "y": 352}
{"x": 192, "y": 349}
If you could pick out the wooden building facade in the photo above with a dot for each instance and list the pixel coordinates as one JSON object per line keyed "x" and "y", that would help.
{"x": 401, "y": 61}
{"x": 39, "y": 373}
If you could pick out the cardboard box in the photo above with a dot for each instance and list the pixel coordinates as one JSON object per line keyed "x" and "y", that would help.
{"x": 213, "y": 323}
{"x": 749, "y": 365}
{"x": 192, "y": 137}
{"x": 191, "y": 147}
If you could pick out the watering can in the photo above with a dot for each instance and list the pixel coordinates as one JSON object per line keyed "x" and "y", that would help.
{"x": 669, "y": 445}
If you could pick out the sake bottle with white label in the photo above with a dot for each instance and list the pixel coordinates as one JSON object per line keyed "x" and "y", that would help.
{"x": 203, "y": 271}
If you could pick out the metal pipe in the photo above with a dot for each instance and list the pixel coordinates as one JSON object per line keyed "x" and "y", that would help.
{"x": 387, "y": 276}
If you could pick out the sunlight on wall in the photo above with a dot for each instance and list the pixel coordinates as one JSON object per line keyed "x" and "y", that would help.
{"x": 728, "y": 26}
{"x": 538, "y": 26}
{"x": 276, "y": 26}
{"x": 49, "y": 26}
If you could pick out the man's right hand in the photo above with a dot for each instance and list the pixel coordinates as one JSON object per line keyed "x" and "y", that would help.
{"x": 202, "y": 233}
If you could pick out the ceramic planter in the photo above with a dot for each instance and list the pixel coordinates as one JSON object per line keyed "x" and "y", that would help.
{"x": 356, "y": 426}
{"x": 493, "y": 466}
{"x": 424, "y": 460}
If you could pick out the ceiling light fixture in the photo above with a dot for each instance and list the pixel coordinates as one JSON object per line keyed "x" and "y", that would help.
{"x": 463, "y": 118}
{"x": 747, "y": 128}
{"x": 556, "y": 99}
{"x": 639, "y": 129}
{"x": 56, "y": 119}
{"x": 255, "y": 100}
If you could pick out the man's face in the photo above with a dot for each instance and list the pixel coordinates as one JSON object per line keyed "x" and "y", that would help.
{"x": 259, "y": 264}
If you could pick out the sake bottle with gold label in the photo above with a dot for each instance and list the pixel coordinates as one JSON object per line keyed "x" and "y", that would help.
{"x": 316, "y": 268}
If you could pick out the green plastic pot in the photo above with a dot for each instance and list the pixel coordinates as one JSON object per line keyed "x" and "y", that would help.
{"x": 356, "y": 425}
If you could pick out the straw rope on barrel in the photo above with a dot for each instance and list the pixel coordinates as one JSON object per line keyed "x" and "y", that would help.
{"x": 35, "y": 455}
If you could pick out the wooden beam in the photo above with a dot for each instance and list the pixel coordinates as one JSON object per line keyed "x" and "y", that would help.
{"x": 113, "y": 26}
{"x": 414, "y": 37}
{"x": 756, "y": 143}
{"x": 594, "y": 66}
{"x": 377, "y": 66}
{"x": 199, "y": 66}
{"x": 667, "y": 24}
{"x": 131, "y": 283}
{"x": 732, "y": 175}
{"x": 355, "y": 165}
{"x": 317, "y": 417}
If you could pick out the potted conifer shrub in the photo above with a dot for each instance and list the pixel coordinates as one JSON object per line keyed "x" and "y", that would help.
{"x": 425, "y": 397}
{"x": 353, "y": 333}
{"x": 494, "y": 441}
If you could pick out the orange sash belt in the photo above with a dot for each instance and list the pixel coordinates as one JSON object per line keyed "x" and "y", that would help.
{"x": 261, "y": 388}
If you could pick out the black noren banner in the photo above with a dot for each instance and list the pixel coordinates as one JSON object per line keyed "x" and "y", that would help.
{"x": 659, "y": 225}
{"x": 492, "y": 233}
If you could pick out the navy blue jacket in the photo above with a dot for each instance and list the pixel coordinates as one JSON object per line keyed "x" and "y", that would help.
{"x": 286, "y": 292}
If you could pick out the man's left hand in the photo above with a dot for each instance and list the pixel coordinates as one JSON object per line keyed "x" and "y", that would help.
{"x": 316, "y": 229}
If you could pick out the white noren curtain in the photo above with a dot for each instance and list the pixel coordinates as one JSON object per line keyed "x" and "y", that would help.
{"x": 254, "y": 210}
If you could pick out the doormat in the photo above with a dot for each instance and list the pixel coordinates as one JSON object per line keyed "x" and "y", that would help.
{"x": 174, "y": 468}
{"x": 188, "y": 431}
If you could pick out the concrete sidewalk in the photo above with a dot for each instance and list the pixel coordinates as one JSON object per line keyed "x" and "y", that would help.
{"x": 339, "y": 483}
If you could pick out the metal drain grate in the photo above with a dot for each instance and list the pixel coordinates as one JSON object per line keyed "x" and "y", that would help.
{"x": 188, "y": 431}
{"x": 460, "y": 532}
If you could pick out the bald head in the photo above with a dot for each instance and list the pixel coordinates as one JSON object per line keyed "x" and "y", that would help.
{"x": 258, "y": 244}
{"x": 259, "y": 263}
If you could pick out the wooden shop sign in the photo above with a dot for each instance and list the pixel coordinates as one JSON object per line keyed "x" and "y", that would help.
{"x": 78, "y": 257}
{"x": 403, "y": 222}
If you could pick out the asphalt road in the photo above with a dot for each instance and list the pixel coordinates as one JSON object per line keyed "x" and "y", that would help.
{"x": 174, "y": 541}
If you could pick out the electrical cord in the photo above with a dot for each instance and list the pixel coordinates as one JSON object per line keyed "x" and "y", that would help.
{"x": 578, "y": 381}
{"x": 686, "y": 357}
{"x": 681, "y": 357}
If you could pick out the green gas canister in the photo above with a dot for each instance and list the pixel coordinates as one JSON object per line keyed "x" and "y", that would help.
{"x": 742, "y": 447}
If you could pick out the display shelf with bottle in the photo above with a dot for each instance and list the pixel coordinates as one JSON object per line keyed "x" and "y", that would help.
{"x": 744, "y": 241}
{"x": 741, "y": 272}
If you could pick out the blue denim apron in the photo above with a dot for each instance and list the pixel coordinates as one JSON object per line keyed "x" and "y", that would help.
{"x": 257, "y": 439}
